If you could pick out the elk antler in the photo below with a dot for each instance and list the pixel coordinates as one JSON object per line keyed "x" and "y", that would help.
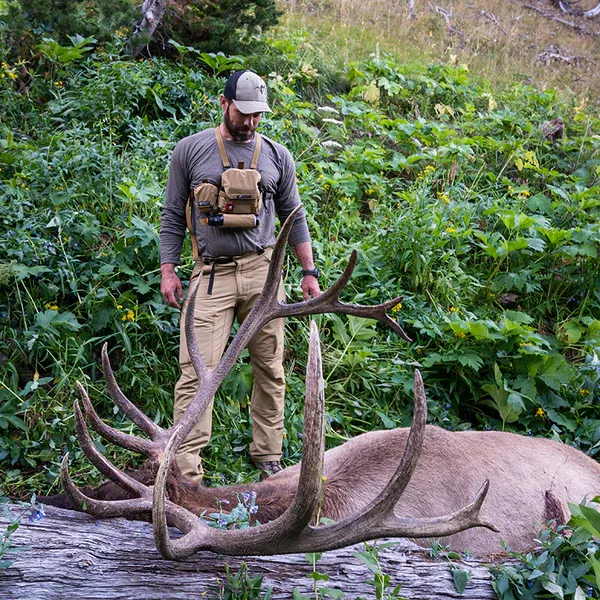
{"x": 291, "y": 532}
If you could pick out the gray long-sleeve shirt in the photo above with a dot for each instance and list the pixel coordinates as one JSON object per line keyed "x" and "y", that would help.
{"x": 196, "y": 159}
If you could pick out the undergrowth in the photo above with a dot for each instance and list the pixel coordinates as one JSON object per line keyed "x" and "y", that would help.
{"x": 456, "y": 195}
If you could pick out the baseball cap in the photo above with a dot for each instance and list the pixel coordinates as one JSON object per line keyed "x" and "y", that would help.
{"x": 248, "y": 92}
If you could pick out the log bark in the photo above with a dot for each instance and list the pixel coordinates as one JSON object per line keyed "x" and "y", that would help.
{"x": 71, "y": 555}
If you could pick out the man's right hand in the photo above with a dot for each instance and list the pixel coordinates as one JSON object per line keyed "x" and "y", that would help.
{"x": 170, "y": 286}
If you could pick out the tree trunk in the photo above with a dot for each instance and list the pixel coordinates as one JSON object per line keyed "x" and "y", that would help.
{"x": 70, "y": 555}
{"x": 153, "y": 12}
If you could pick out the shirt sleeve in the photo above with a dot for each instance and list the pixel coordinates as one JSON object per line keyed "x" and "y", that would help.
{"x": 287, "y": 198}
{"x": 173, "y": 223}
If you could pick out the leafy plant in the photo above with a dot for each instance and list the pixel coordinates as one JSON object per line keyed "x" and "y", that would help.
{"x": 239, "y": 586}
{"x": 381, "y": 581}
{"x": 31, "y": 510}
{"x": 566, "y": 566}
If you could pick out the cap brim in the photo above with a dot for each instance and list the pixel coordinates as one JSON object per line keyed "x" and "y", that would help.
{"x": 248, "y": 107}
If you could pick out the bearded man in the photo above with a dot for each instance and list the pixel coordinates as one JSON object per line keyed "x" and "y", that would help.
{"x": 226, "y": 185}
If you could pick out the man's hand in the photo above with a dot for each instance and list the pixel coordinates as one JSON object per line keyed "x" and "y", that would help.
{"x": 170, "y": 286}
{"x": 310, "y": 287}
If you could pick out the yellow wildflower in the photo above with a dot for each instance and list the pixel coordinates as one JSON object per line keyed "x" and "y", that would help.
{"x": 540, "y": 413}
{"x": 52, "y": 305}
{"x": 444, "y": 197}
{"x": 128, "y": 316}
{"x": 450, "y": 230}
{"x": 324, "y": 479}
{"x": 397, "y": 308}
{"x": 582, "y": 391}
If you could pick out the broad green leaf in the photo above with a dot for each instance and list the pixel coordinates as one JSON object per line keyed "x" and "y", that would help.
{"x": 471, "y": 360}
{"x": 554, "y": 589}
{"x": 580, "y": 594}
{"x": 574, "y": 331}
{"x": 479, "y": 331}
{"x": 460, "y": 577}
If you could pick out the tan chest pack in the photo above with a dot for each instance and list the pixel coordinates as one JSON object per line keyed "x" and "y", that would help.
{"x": 237, "y": 202}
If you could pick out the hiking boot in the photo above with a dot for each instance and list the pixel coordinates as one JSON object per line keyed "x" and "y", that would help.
{"x": 267, "y": 468}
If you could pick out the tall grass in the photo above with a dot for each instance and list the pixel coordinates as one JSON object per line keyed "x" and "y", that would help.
{"x": 503, "y": 42}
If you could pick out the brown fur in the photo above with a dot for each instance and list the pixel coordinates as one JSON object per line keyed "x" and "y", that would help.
{"x": 531, "y": 481}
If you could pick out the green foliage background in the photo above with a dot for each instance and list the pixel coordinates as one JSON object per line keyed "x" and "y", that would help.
{"x": 445, "y": 185}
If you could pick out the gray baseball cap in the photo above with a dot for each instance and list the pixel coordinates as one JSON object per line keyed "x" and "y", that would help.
{"x": 248, "y": 92}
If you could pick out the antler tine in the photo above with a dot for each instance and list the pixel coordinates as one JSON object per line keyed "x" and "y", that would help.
{"x": 265, "y": 304}
{"x": 132, "y": 508}
{"x": 298, "y": 515}
{"x": 190, "y": 335}
{"x": 131, "y": 442}
{"x": 310, "y": 482}
{"x": 386, "y": 501}
{"x": 329, "y": 301}
{"x": 101, "y": 462}
{"x": 133, "y": 412}
{"x": 271, "y": 286}
{"x": 188, "y": 522}
{"x": 101, "y": 508}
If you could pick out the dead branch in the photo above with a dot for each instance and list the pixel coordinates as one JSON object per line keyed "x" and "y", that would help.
{"x": 553, "y": 17}
{"x": 553, "y": 54}
{"x": 446, "y": 14}
{"x": 489, "y": 15}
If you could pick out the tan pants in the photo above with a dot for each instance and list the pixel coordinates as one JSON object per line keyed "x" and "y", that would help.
{"x": 236, "y": 288}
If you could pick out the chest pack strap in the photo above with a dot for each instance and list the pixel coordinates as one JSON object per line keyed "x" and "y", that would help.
{"x": 190, "y": 224}
{"x": 223, "y": 152}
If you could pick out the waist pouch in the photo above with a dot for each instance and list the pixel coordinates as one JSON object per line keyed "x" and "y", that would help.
{"x": 238, "y": 200}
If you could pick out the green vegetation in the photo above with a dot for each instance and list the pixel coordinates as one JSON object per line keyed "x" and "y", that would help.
{"x": 478, "y": 201}
{"x": 566, "y": 567}
{"x": 448, "y": 188}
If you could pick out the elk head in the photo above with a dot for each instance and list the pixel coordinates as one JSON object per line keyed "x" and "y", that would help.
{"x": 291, "y": 531}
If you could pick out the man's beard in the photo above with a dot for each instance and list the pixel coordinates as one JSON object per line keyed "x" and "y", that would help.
{"x": 236, "y": 133}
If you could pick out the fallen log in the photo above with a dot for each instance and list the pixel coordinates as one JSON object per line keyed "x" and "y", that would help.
{"x": 72, "y": 555}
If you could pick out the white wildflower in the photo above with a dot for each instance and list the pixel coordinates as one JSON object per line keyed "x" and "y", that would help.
{"x": 331, "y": 144}
{"x": 333, "y": 121}
{"x": 329, "y": 109}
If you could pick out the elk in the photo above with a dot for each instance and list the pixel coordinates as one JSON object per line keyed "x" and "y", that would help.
{"x": 378, "y": 484}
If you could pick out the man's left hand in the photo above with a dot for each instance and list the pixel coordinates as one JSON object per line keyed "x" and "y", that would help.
{"x": 310, "y": 287}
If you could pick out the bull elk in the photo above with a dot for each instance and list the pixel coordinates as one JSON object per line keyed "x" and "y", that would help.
{"x": 379, "y": 484}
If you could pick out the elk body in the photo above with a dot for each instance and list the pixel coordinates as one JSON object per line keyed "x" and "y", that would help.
{"x": 531, "y": 482}
{"x": 423, "y": 482}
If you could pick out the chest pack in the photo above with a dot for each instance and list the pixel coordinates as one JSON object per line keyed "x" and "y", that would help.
{"x": 238, "y": 200}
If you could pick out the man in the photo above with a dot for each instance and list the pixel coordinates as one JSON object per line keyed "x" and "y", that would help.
{"x": 233, "y": 259}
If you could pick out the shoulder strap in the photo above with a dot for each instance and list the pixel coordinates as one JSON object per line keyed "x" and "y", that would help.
{"x": 254, "y": 162}
{"x": 190, "y": 223}
{"x": 222, "y": 151}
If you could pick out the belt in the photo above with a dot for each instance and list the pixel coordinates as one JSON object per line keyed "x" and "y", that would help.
{"x": 222, "y": 260}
